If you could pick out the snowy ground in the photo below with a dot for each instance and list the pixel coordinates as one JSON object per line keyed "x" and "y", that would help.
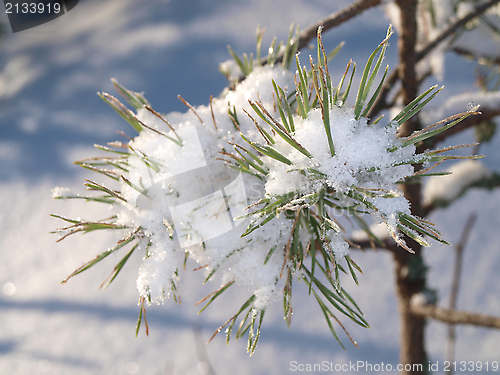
{"x": 50, "y": 115}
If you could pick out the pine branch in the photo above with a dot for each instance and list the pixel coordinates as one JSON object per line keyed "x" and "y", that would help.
{"x": 452, "y": 316}
{"x": 381, "y": 101}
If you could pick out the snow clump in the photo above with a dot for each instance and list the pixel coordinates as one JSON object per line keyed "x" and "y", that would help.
{"x": 191, "y": 200}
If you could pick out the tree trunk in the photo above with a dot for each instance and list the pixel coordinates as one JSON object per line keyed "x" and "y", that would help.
{"x": 409, "y": 268}
{"x": 410, "y": 280}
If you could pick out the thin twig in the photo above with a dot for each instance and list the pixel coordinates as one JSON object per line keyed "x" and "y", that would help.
{"x": 455, "y": 316}
{"x": 201, "y": 350}
{"x": 450, "y": 343}
{"x": 335, "y": 19}
{"x": 263, "y": 109}
{"x": 214, "y": 292}
{"x": 106, "y": 189}
{"x": 144, "y": 314}
{"x": 69, "y": 234}
{"x": 287, "y": 247}
{"x": 236, "y": 125}
{"x": 259, "y": 128}
{"x": 454, "y": 27}
{"x": 345, "y": 330}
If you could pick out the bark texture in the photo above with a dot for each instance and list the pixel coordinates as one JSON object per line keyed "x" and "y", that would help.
{"x": 409, "y": 268}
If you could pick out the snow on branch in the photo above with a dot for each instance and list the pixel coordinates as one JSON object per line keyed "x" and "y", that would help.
{"x": 452, "y": 28}
{"x": 448, "y": 188}
{"x": 441, "y": 191}
{"x": 481, "y": 40}
{"x": 381, "y": 102}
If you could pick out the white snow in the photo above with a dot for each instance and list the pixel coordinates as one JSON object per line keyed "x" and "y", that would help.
{"x": 359, "y": 149}
{"x": 62, "y": 192}
{"x": 362, "y": 159}
{"x": 185, "y": 190}
{"x": 448, "y": 187}
{"x": 338, "y": 245}
{"x": 247, "y": 267}
{"x": 231, "y": 70}
{"x": 379, "y": 230}
{"x": 157, "y": 272}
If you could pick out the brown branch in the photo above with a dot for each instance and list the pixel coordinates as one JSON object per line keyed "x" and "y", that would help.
{"x": 454, "y": 27}
{"x": 333, "y": 20}
{"x": 458, "y": 261}
{"x": 470, "y": 54}
{"x": 486, "y": 114}
{"x": 190, "y": 107}
{"x": 381, "y": 102}
{"x": 388, "y": 244}
{"x": 452, "y": 316}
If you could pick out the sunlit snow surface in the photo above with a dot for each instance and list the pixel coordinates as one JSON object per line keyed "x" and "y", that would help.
{"x": 50, "y": 116}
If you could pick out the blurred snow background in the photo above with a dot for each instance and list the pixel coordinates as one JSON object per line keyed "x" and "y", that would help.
{"x": 50, "y": 116}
